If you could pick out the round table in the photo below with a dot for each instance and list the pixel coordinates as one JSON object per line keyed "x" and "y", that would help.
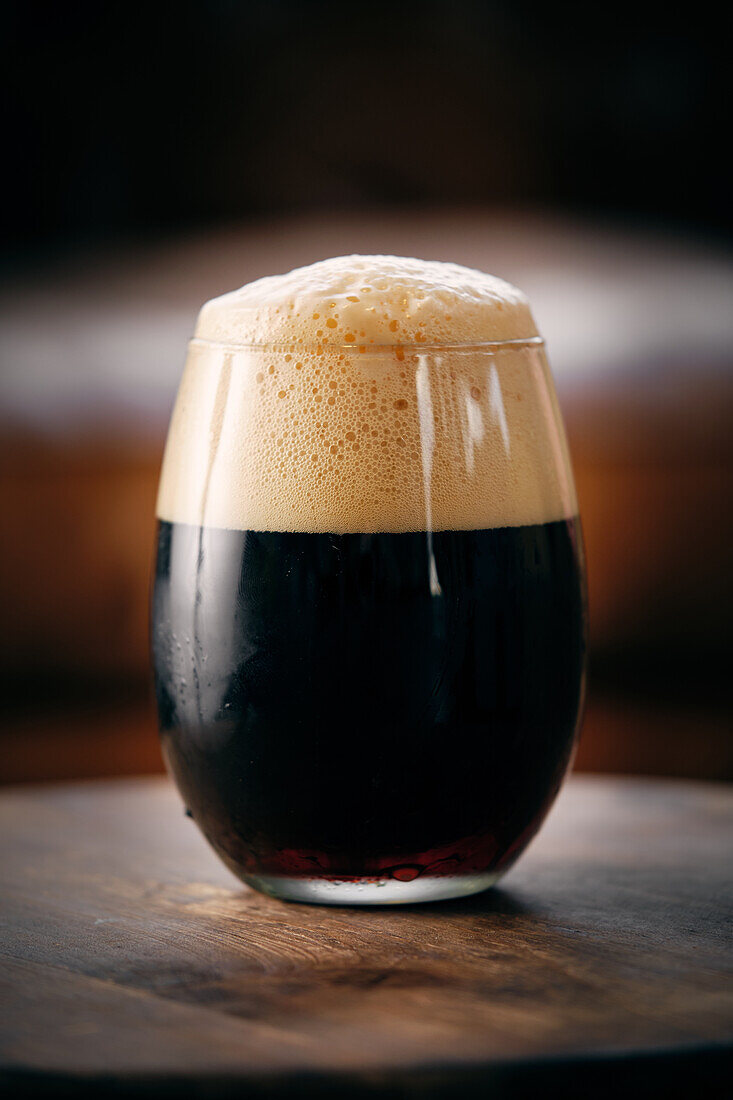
{"x": 134, "y": 962}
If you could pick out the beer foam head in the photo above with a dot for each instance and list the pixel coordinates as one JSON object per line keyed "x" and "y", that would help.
{"x": 367, "y": 394}
{"x": 370, "y": 300}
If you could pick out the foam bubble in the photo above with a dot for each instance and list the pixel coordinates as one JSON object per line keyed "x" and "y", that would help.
{"x": 382, "y": 435}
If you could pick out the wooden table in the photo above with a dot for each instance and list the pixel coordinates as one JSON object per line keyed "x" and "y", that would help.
{"x": 133, "y": 960}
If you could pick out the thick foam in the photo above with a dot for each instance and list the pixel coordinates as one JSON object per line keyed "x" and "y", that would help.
{"x": 394, "y": 418}
{"x": 370, "y": 300}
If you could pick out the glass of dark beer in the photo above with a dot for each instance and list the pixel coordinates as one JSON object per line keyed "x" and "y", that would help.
{"x": 368, "y": 614}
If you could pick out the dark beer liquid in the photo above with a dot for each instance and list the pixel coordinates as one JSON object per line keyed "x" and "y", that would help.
{"x": 368, "y": 706}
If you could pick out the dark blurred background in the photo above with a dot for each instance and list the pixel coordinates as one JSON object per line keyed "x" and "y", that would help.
{"x": 148, "y": 119}
{"x": 159, "y": 154}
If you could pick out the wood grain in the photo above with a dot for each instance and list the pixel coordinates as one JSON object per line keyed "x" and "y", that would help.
{"x": 132, "y": 958}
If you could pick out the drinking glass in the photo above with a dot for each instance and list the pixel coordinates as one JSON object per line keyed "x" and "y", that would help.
{"x": 368, "y": 613}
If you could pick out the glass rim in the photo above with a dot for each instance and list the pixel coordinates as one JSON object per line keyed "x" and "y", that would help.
{"x": 362, "y": 348}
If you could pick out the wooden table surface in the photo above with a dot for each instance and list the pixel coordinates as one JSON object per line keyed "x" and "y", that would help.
{"x": 133, "y": 960}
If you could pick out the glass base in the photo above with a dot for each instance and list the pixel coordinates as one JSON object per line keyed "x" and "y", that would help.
{"x": 388, "y": 891}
